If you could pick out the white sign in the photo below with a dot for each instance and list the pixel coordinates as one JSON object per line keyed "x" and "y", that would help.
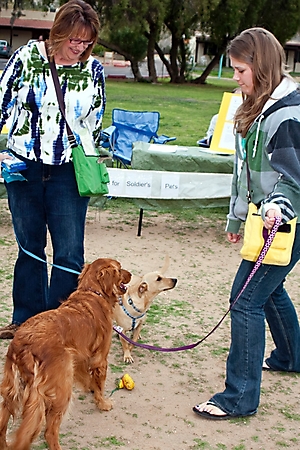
{"x": 139, "y": 184}
{"x": 168, "y": 185}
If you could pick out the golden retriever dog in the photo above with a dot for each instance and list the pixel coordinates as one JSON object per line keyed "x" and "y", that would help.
{"x": 130, "y": 311}
{"x": 55, "y": 349}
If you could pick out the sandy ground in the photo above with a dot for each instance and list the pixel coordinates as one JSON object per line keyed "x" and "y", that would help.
{"x": 157, "y": 414}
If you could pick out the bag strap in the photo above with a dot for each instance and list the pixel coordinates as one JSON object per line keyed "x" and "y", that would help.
{"x": 60, "y": 97}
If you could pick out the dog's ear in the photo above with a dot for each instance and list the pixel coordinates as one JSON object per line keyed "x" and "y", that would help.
{"x": 143, "y": 287}
{"x": 166, "y": 264}
{"x": 84, "y": 271}
{"x": 106, "y": 277}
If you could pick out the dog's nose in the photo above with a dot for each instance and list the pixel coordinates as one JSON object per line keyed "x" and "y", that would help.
{"x": 174, "y": 281}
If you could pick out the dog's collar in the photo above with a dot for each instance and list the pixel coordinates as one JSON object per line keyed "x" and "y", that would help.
{"x": 130, "y": 302}
{"x": 95, "y": 292}
{"x": 134, "y": 319}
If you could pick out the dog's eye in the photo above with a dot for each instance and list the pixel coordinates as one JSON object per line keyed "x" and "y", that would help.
{"x": 159, "y": 279}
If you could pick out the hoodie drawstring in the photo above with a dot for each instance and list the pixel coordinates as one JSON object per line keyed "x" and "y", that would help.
{"x": 256, "y": 136}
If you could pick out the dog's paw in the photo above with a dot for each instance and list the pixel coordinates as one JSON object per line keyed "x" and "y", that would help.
{"x": 128, "y": 359}
{"x": 105, "y": 404}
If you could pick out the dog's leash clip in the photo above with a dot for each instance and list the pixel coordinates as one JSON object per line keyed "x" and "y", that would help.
{"x": 118, "y": 329}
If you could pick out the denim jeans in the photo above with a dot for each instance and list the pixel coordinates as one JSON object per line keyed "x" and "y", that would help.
{"x": 263, "y": 298}
{"x": 48, "y": 200}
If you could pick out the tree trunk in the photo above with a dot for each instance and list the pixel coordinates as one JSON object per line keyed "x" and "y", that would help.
{"x": 134, "y": 64}
{"x": 150, "y": 54}
{"x": 175, "y": 77}
{"x": 136, "y": 70}
{"x": 210, "y": 67}
{"x": 183, "y": 65}
{"x": 164, "y": 60}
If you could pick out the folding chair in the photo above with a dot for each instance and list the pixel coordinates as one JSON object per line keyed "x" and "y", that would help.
{"x": 128, "y": 127}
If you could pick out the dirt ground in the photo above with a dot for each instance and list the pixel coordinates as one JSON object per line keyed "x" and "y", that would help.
{"x": 157, "y": 414}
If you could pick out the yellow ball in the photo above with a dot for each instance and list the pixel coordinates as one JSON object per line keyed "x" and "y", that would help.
{"x": 127, "y": 382}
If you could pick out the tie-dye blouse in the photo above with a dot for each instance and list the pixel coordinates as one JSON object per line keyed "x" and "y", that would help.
{"x": 27, "y": 94}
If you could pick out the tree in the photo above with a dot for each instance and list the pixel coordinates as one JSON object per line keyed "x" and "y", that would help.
{"x": 223, "y": 23}
{"x": 16, "y": 14}
{"x": 129, "y": 21}
{"x": 154, "y": 17}
{"x": 182, "y": 18}
{"x": 131, "y": 44}
{"x": 230, "y": 17}
{"x": 124, "y": 30}
{"x": 277, "y": 14}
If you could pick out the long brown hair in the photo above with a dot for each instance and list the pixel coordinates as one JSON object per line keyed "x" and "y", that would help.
{"x": 262, "y": 51}
{"x": 74, "y": 18}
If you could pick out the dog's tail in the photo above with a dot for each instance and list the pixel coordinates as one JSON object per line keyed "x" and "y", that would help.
{"x": 10, "y": 391}
{"x": 21, "y": 394}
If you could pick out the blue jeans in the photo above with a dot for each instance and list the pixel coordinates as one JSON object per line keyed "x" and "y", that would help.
{"x": 263, "y": 298}
{"x": 48, "y": 200}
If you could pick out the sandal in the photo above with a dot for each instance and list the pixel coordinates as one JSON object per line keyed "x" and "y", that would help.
{"x": 211, "y": 415}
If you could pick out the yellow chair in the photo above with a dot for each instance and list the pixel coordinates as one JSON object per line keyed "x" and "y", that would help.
{"x": 4, "y": 130}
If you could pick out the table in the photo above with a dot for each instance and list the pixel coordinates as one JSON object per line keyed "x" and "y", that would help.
{"x": 175, "y": 158}
{"x": 160, "y": 177}
{"x": 193, "y": 160}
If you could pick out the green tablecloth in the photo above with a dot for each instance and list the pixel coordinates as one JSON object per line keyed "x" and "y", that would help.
{"x": 177, "y": 158}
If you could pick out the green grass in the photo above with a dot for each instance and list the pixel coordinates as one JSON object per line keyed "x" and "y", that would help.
{"x": 129, "y": 210}
{"x": 185, "y": 110}
{"x": 227, "y": 72}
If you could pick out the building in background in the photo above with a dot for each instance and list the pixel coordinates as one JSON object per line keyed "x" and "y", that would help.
{"x": 19, "y": 27}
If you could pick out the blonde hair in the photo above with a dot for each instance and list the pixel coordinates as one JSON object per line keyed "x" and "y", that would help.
{"x": 261, "y": 50}
{"x": 74, "y": 18}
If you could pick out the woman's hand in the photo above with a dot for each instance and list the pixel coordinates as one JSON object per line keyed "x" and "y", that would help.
{"x": 270, "y": 218}
{"x": 233, "y": 237}
{"x": 4, "y": 155}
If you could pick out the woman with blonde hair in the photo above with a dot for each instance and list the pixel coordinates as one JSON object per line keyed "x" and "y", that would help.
{"x": 267, "y": 164}
{"x": 48, "y": 201}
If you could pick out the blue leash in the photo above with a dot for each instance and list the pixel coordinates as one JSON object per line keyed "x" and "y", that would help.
{"x": 42, "y": 260}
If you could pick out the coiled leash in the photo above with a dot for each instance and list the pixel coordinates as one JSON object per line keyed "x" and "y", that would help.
{"x": 261, "y": 256}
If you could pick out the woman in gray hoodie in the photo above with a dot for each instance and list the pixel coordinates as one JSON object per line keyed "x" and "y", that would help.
{"x": 267, "y": 171}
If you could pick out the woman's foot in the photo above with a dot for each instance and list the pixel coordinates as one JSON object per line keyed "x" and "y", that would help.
{"x": 265, "y": 366}
{"x": 209, "y": 410}
{"x": 8, "y": 331}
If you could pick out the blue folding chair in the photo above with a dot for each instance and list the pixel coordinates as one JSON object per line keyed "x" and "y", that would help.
{"x": 128, "y": 127}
